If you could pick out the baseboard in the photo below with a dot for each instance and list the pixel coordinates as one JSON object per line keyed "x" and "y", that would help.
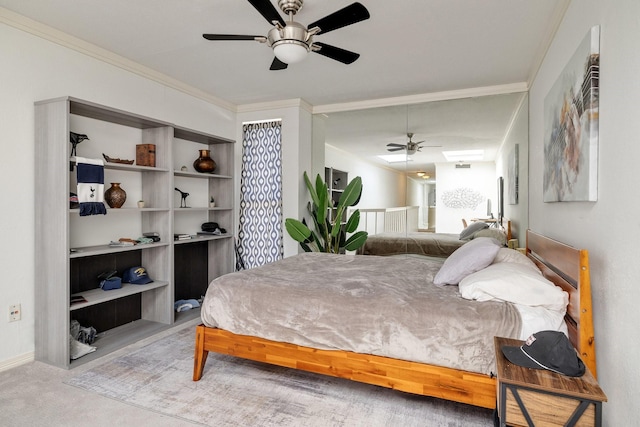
{"x": 17, "y": 361}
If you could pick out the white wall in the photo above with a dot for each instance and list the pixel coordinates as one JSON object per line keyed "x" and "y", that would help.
{"x": 381, "y": 187}
{"x": 610, "y": 227}
{"x": 417, "y": 190}
{"x": 34, "y": 69}
{"x": 480, "y": 177}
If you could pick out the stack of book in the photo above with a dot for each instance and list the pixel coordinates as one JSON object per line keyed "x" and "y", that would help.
{"x": 181, "y": 236}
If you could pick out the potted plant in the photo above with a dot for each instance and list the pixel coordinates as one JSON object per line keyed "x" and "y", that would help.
{"x": 329, "y": 237}
{"x": 141, "y": 204}
{"x": 212, "y": 202}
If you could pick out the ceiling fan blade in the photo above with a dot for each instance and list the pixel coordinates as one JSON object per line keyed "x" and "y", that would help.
{"x": 277, "y": 65}
{"x": 351, "y": 14}
{"x": 229, "y": 37}
{"x": 393, "y": 144}
{"x": 268, "y": 10}
{"x": 395, "y": 149}
{"x": 341, "y": 55}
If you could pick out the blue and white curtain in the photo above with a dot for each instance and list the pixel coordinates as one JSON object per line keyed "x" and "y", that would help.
{"x": 260, "y": 234}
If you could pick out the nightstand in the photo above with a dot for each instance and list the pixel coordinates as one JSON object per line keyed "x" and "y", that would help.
{"x": 538, "y": 397}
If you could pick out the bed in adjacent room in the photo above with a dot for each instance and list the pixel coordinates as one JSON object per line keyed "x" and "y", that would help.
{"x": 431, "y": 244}
{"x": 423, "y": 326}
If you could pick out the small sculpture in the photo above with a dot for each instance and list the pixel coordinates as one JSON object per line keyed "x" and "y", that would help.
{"x": 183, "y": 200}
{"x": 117, "y": 160}
{"x": 76, "y": 138}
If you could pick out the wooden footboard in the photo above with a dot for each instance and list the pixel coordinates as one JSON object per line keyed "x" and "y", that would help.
{"x": 418, "y": 378}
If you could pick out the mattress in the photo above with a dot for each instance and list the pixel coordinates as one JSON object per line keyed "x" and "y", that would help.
{"x": 366, "y": 304}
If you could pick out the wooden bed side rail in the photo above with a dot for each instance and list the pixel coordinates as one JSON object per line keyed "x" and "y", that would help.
{"x": 417, "y": 378}
{"x": 570, "y": 271}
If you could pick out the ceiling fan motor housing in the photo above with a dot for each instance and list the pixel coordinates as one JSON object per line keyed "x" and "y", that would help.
{"x": 290, "y": 6}
{"x": 293, "y": 33}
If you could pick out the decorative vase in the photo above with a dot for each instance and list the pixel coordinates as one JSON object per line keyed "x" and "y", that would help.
{"x": 115, "y": 196}
{"x": 141, "y": 204}
{"x": 204, "y": 163}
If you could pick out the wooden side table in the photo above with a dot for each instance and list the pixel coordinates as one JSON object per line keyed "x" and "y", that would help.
{"x": 538, "y": 397}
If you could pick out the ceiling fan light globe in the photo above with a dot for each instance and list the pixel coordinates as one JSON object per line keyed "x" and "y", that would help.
{"x": 290, "y": 51}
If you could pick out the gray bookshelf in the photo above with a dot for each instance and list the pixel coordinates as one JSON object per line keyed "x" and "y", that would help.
{"x": 70, "y": 249}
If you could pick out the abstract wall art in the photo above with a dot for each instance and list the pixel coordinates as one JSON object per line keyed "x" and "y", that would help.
{"x": 513, "y": 175}
{"x": 571, "y": 127}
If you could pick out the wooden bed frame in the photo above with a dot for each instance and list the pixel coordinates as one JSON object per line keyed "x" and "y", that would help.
{"x": 567, "y": 267}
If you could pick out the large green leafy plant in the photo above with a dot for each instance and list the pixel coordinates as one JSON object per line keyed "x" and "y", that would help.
{"x": 328, "y": 236}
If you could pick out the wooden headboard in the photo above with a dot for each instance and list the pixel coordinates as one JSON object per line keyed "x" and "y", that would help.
{"x": 569, "y": 269}
{"x": 506, "y": 226}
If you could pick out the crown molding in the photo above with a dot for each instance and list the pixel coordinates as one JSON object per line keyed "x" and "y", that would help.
{"x": 38, "y": 29}
{"x": 276, "y": 105}
{"x": 420, "y": 98}
{"x": 521, "y": 103}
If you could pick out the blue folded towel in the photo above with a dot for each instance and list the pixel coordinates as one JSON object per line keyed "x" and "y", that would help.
{"x": 90, "y": 186}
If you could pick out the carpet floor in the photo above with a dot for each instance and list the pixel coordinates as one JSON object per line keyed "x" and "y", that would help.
{"x": 237, "y": 392}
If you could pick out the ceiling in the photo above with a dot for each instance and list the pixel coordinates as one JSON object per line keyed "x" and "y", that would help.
{"x": 476, "y": 123}
{"x": 410, "y": 50}
{"x": 407, "y": 47}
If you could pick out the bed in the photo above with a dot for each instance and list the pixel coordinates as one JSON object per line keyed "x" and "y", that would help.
{"x": 564, "y": 266}
{"x": 423, "y": 243}
{"x": 418, "y": 243}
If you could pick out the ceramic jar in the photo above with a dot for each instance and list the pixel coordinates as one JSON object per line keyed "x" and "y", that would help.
{"x": 204, "y": 163}
{"x": 115, "y": 196}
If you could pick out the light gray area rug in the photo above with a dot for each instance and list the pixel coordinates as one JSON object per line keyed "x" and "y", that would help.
{"x": 237, "y": 392}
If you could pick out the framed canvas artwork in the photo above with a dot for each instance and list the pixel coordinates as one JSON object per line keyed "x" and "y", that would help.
{"x": 571, "y": 127}
{"x": 513, "y": 175}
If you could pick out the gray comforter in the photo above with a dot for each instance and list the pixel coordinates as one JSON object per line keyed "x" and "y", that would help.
{"x": 431, "y": 244}
{"x": 366, "y": 304}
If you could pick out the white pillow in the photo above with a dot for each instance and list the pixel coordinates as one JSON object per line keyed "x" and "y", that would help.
{"x": 512, "y": 255}
{"x": 516, "y": 283}
{"x": 468, "y": 258}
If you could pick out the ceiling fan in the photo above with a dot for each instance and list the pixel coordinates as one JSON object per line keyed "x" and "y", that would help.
{"x": 410, "y": 146}
{"x": 291, "y": 41}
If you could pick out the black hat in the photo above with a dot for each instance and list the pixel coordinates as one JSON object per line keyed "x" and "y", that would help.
{"x": 547, "y": 350}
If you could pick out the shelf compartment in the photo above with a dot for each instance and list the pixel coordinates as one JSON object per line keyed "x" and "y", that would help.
{"x": 106, "y": 249}
{"x": 200, "y": 209}
{"x": 199, "y": 238}
{"x": 200, "y": 175}
{"x": 117, "y": 338}
{"x": 98, "y": 296}
{"x": 126, "y": 167}
{"x": 110, "y": 210}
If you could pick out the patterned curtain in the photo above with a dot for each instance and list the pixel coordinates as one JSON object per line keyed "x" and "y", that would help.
{"x": 260, "y": 236}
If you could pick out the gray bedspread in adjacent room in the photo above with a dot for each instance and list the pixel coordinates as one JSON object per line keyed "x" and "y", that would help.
{"x": 421, "y": 243}
{"x": 366, "y": 304}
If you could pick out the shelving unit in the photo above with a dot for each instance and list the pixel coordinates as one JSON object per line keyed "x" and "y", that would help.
{"x": 71, "y": 251}
{"x": 217, "y": 251}
{"x": 337, "y": 181}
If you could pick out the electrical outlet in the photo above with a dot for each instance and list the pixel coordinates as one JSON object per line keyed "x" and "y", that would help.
{"x": 15, "y": 312}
